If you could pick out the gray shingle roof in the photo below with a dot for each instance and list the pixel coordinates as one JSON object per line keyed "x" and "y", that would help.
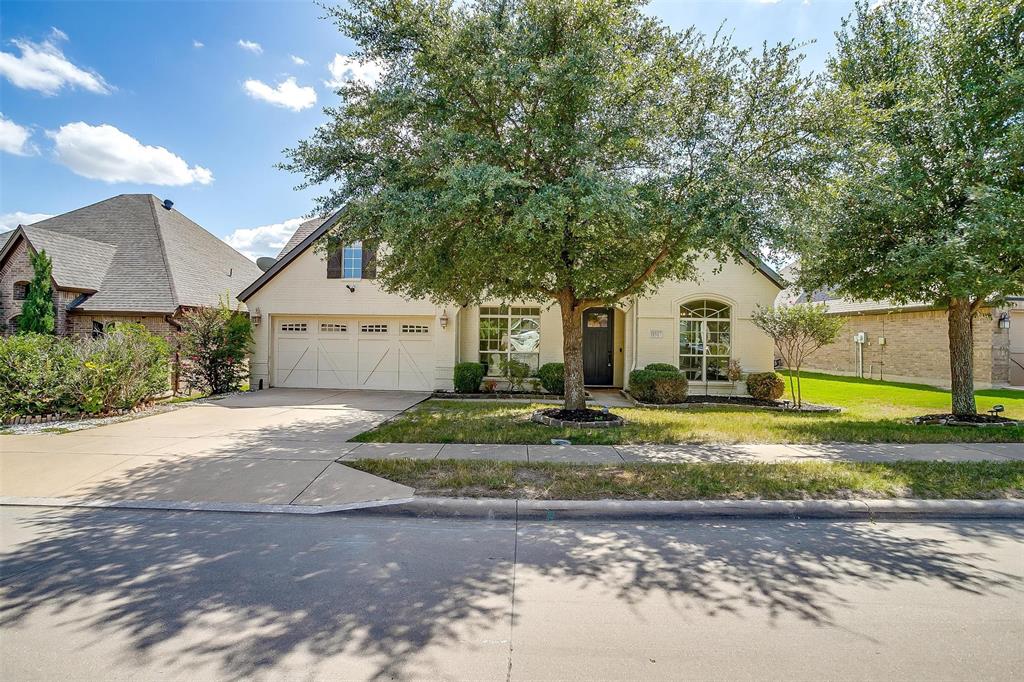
{"x": 156, "y": 259}
{"x": 303, "y": 231}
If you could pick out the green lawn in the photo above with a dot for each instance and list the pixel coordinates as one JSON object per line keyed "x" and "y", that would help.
{"x": 873, "y": 412}
{"x": 777, "y": 481}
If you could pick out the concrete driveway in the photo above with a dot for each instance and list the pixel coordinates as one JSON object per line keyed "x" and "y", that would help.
{"x": 274, "y": 447}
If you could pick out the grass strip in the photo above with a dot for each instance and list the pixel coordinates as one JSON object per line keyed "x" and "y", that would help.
{"x": 704, "y": 481}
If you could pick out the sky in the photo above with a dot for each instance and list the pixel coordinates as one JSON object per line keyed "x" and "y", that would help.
{"x": 195, "y": 101}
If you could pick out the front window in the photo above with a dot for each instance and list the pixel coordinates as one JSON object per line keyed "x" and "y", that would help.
{"x": 705, "y": 340}
{"x": 20, "y": 291}
{"x": 352, "y": 261}
{"x": 511, "y": 333}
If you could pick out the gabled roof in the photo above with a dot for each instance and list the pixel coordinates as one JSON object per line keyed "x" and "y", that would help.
{"x": 138, "y": 256}
{"x": 311, "y": 230}
{"x": 301, "y": 232}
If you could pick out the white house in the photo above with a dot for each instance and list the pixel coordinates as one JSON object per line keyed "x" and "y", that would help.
{"x": 326, "y": 323}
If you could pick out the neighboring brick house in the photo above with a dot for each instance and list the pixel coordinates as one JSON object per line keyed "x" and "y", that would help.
{"x": 881, "y": 340}
{"x": 128, "y": 258}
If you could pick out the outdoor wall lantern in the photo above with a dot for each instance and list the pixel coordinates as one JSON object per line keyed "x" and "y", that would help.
{"x": 256, "y": 317}
{"x": 1004, "y": 320}
{"x": 444, "y": 319}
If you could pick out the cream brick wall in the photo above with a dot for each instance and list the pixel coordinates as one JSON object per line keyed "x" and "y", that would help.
{"x": 916, "y": 348}
{"x": 302, "y": 290}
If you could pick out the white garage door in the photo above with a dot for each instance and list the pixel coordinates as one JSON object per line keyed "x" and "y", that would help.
{"x": 349, "y": 352}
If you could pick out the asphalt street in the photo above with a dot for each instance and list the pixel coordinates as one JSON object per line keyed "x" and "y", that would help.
{"x": 108, "y": 594}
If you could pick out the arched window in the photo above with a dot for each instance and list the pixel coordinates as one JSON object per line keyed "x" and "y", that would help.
{"x": 705, "y": 340}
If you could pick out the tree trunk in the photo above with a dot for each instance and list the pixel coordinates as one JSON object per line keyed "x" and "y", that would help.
{"x": 961, "y": 356}
{"x": 572, "y": 353}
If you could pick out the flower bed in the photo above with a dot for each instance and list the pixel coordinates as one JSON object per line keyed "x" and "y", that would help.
{"x": 499, "y": 395}
{"x": 739, "y": 401}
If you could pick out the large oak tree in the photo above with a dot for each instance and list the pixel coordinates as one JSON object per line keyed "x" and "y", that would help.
{"x": 572, "y": 151}
{"x": 926, "y": 200}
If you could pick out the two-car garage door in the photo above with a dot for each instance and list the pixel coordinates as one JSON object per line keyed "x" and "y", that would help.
{"x": 349, "y": 352}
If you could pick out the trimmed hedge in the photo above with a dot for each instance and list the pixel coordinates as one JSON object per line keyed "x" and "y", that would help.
{"x": 765, "y": 386}
{"x": 658, "y": 383}
{"x": 662, "y": 367}
{"x": 468, "y": 376}
{"x": 552, "y": 377}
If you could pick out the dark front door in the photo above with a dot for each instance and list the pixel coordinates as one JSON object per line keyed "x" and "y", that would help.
{"x": 598, "y": 346}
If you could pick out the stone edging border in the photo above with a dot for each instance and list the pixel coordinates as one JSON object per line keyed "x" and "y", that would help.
{"x": 815, "y": 409}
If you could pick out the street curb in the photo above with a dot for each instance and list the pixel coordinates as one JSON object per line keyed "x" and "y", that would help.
{"x": 627, "y": 510}
{"x": 179, "y": 505}
{"x": 604, "y": 510}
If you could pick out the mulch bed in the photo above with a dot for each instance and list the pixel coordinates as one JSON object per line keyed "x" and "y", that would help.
{"x": 731, "y": 400}
{"x": 739, "y": 401}
{"x": 582, "y": 419}
{"x": 965, "y": 420}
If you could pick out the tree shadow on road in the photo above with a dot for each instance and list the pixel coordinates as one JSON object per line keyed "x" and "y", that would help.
{"x": 248, "y": 594}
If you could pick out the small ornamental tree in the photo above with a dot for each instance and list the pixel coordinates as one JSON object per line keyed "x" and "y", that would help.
{"x": 214, "y": 343}
{"x": 798, "y": 331}
{"x": 925, "y": 202}
{"x": 571, "y": 151}
{"x": 38, "y": 313}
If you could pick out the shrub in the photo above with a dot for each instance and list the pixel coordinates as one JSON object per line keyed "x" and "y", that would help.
{"x": 765, "y": 386}
{"x": 214, "y": 344}
{"x": 552, "y": 377}
{"x": 515, "y": 373}
{"x": 656, "y": 385}
{"x": 37, "y": 372}
{"x": 662, "y": 367}
{"x": 42, "y": 374}
{"x": 468, "y": 376}
{"x": 120, "y": 369}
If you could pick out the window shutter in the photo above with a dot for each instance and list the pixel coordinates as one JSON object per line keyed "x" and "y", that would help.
{"x": 334, "y": 264}
{"x": 369, "y": 260}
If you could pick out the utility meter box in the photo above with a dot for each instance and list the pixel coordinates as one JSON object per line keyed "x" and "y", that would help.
{"x": 881, "y": 340}
{"x": 860, "y": 337}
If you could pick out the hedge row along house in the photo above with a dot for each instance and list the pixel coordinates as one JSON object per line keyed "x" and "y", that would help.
{"x": 325, "y": 323}
{"x": 129, "y": 258}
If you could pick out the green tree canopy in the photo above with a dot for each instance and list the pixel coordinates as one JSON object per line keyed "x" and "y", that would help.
{"x": 38, "y": 313}
{"x": 574, "y": 151}
{"x": 926, "y": 200}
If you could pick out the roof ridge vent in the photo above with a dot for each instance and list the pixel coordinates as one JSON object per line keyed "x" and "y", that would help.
{"x": 168, "y": 204}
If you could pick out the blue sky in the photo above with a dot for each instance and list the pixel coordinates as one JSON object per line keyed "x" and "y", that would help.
{"x": 194, "y": 101}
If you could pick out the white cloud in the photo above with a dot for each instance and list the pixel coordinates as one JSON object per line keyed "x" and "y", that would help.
{"x": 44, "y": 68}
{"x": 266, "y": 240}
{"x": 345, "y": 69}
{"x": 298, "y": 61}
{"x": 285, "y": 94}
{"x": 14, "y": 139}
{"x": 249, "y": 45}
{"x": 105, "y": 153}
{"x": 197, "y": 44}
{"x": 9, "y": 221}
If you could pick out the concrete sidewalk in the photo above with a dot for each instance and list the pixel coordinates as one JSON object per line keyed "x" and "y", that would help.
{"x": 747, "y": 452}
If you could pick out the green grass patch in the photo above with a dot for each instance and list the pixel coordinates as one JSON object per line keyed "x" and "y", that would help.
{"x": 705, "y": 481}
{"x": 873, "y": 412}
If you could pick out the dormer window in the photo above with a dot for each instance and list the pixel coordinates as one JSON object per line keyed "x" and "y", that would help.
{"x": 20, "y": 291}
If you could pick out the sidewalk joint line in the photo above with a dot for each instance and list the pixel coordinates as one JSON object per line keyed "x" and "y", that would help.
{"x": 312, "y": 482}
